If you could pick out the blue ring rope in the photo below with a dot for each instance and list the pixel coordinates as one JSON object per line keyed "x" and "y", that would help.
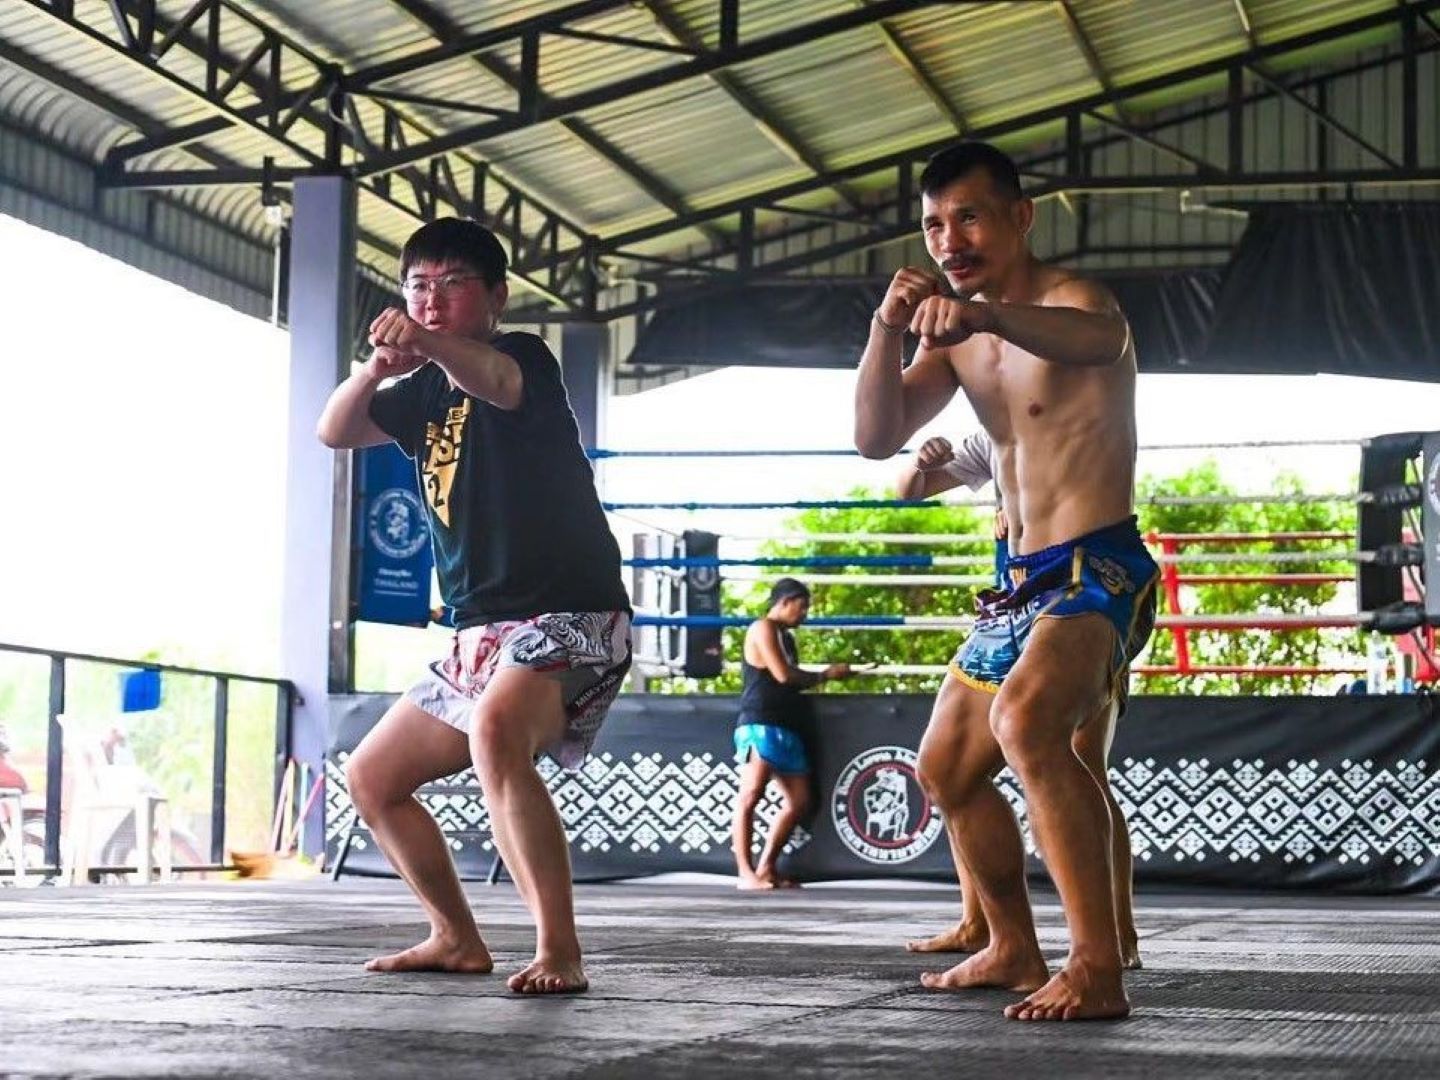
{"x": 684, "y": 563}
{"x": 596, "y": 454}
{"x": 711, "y": 621}
{"x": 823, "y": 504}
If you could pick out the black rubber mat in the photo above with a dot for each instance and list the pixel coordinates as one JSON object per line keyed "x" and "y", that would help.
{"x": 266, "y": 979}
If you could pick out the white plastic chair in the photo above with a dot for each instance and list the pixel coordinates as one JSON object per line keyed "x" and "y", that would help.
{"x": 12, "y": 810}
{"x": 101, "y": 794}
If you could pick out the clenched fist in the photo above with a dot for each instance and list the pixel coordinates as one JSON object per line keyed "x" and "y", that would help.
{"x": 934, "y": 454}
{"x": 394, "y": 328}
{"x": 908, "y": 288}
{"x": 388, "y": 362}
{"x": 943, "y": 320}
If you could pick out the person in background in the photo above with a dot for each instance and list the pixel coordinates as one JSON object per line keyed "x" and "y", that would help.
{"x": 770, "y": 731}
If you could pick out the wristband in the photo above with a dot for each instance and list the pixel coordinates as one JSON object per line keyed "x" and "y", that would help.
{"x": 885, "y": 326}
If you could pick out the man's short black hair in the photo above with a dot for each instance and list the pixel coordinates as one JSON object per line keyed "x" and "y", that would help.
{"x": 453, "y": 239}
{"x": 964, "y": 158}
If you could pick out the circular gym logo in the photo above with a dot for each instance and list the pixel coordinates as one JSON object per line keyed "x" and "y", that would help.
{"x": 397, "y": 523}
{"x": 704, "y": 578}
{"x": 880, "y": 811}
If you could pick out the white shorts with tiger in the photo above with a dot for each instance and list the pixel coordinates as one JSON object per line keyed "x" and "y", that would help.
{"x": 588, "y": 652}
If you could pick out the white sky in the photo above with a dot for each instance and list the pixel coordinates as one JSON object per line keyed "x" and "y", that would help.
{"x": 142, "y": 453}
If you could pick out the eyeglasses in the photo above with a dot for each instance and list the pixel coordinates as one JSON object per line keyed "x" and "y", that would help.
{"x": 418, "y": 288}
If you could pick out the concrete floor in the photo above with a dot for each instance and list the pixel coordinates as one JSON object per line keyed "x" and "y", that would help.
{"x": 264, "y": 979}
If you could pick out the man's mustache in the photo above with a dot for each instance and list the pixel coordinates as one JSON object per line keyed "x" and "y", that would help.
{"x": 954, "y": 262}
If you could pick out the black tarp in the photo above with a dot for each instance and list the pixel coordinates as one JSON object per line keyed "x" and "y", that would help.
{"x": 1345, "y": 289}
{"x": 1340, "y": 288}
{"x": 1341, "y": 794}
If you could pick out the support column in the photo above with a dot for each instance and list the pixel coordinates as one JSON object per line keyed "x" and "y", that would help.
{"x": 315, "y": 623}
{"x": 585, "y": 365}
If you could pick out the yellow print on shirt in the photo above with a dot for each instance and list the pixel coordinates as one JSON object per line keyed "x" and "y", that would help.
{"x": 442, "y": 458}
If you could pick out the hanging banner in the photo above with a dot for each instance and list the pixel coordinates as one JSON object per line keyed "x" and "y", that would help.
{"x": 395, "y": 563}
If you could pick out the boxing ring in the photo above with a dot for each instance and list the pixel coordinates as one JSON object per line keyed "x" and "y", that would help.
{"x": 1339, "y": 792}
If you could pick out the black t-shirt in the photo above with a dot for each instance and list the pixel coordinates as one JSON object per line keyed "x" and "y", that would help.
{"x": 516, "y": 524}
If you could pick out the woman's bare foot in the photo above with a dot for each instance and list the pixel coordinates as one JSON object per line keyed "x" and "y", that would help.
{"x": 1019, "y": 971}
{"x": 752, "y": 881}
{"x": 1075, "y": 993}
{"x": 964, "y": 936}
{"x": 1130, "y": 952}
{"x": 438, "y": 954}
{"x": 549, "y": 976}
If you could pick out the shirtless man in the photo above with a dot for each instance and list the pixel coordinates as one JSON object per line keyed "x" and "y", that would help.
{"x": 1046, "y": 361}
{"x": 939, "y": 466}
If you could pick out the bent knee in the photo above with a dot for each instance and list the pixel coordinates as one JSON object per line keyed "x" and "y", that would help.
{"x": 1025, "y": 734}
{"x": 798, "y": 804}
{"x": 947, "y": 785}
{"x": 372, "y": 787}
{"x": 498, "y": 737}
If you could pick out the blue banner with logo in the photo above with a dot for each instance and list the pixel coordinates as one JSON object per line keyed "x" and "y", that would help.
{"x": 395, "y": 562}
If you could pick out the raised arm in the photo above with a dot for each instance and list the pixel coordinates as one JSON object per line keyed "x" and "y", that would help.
{"x": 345, "y": 423}
{"x": 892, "y": 403}
{"x": 1079, "y": 324}
{"x": 479, "y": 369}
{"x": 926, "y": 474}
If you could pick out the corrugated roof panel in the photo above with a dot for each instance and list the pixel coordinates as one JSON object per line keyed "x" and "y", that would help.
{"x": 669, "y": 131}
{"x": 1137, "y": 41}
{"x": 845, "y": 97}
{"x": 560, "y": 170}
{"x": 1278, "y": 19}
{"x": 343, "y": 31}
{"x": 45, "y": 187}
{"x": 758, "y": 18}
{"x": 995, "y": 62}
{"x": 145, "y": 90}
{"x": 570, "y": 66}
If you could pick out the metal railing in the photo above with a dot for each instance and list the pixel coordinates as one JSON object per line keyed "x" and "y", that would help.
{"x": 55, "y": 743}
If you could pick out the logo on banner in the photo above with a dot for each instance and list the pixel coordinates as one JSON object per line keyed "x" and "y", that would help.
{"x": 880, "y": 811}
{"x": 397, "y": 523}
{"x": 704, "y": 578}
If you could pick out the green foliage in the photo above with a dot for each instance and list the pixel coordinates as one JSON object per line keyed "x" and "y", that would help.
{"x": 819, "y": 644}
{"x": 1304, "y": 647}
{"x": 173, "y": 744}
{"x": 1251, "y": 647}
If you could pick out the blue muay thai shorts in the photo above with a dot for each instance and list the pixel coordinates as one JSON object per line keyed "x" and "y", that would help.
{"x": 779, "y": 747}
{"x": 1107, "y": 572}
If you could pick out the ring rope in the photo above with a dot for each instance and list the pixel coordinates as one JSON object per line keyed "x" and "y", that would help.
{"x": 1143, "y": 670}
{"x": 1276, "y": 621}
{"x": 683, "y": 562}
{"x": 898, "y": 504}
{"x": 598, "y": 454}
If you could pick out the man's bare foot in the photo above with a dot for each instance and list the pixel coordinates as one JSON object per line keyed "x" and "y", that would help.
{"x": 1075, "y": 993}
{"x": 962, "y": 937}
{"x": 754, "y": 881}
{"x": 1017, "y": 971}
{"x": 438, "y": 954}
{"x": 1130, "y": 953}
{"x": 546, "y": 976}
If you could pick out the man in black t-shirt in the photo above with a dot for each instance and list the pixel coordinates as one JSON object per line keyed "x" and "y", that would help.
{"x": 531, "y": 571}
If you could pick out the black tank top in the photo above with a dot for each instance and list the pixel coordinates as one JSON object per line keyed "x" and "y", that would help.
{"x": 765, "y": 701}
